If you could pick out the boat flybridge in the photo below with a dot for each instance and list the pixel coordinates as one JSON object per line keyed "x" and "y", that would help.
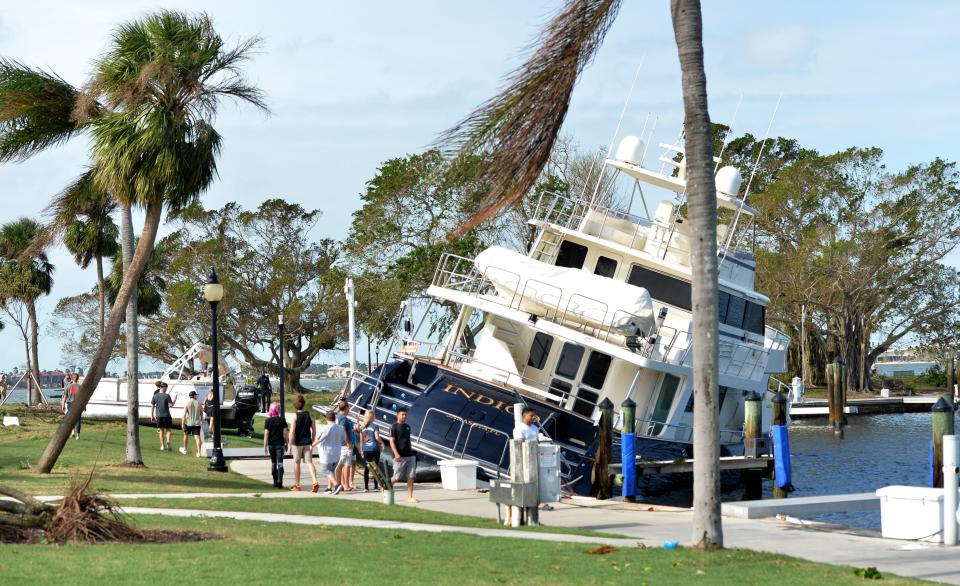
{"x": 598, "y": 308}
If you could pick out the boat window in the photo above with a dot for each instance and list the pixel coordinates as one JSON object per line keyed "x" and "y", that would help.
{"x": 723, "y": 395}
{"x": 586, "y": 402}
{"x": 661, "y": 287}
{"x": 754, "y": 320}
{"x": 596, "y": 371}
{"x": 735, "y": 311}
{"x": 606, "y": 267}
{"x": 569, "y": 362}
{"x": 540, "y": 350}
{"x": 668, "y": 392}
{"x": 723, "y": 299}
{"x": 559, "y": 389}
{"x": 571, "y": 255}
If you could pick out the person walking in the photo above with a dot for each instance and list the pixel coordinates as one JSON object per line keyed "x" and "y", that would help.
{"x": 348, "y": 457}
{"x": 404, "y": 458}
{"x": 275, "y": 442}
{"x": 160, "y": 414}
{"x": 372, "y": 446}
{"x": 302, "y": 436}
{"x": 265, "y": 391}
{"x": 331, "y": 438}
{"x": 3, "y": 386}
{"x": 68, "y": 400}
{"x": 192, "y": 418}
{"x": 209, "y": 411}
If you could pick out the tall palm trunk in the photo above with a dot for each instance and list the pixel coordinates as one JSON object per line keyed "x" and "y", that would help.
{"x": 26, "y": 347}
{"x": 34, "y": 350}
{"x": 702, "y": 198}
{"x": 130, "y": 278}
{"x": 101, "y": 293}
{"x": 134, "y": 457}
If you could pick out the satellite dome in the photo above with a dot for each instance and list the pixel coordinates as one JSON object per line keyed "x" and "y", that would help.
{"x": 728, "y": 181}
{"x": 630, "y": 150}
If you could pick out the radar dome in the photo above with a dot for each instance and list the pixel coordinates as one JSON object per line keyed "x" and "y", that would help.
{"x": 728, "y": 181}
{"x": 630, "y": 150}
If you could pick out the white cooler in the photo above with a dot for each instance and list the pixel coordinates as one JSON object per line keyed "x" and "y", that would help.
{"x": 911, "y": 512}
{"x": 458, "y": 474}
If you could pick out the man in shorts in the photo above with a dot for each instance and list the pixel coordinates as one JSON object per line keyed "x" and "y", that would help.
{"x": 404, "y": 458}
{"x": 302, "y": 435}
{"x": 160, "y": 414}
{"x": 348, "y": 458}
{"x": 331, "y": 438}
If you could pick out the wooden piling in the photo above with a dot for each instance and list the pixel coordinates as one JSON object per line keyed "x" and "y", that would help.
{"x": 602, "y": 481}
{"x": 948, "y": 364}
{"x": 779, "y": 417}
{"x": 838, "y": 395}
{"x": 752, "y": 430}
{"x": 942, "y": 412}
{"x": 629, "y": 450}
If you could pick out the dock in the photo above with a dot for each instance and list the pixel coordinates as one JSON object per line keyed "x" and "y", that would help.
{"x": 764, "y": 463}
{"x": 872, "y": 406}
{"x": 803, "y": 506}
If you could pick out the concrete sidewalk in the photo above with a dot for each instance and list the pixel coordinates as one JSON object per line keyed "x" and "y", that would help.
{"x": 654, "y": 525}
{"x": 378, "y": 524}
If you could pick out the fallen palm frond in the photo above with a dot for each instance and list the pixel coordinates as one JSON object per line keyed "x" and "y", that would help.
{"x": 516, "y": 129}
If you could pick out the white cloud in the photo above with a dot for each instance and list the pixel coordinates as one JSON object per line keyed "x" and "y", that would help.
{"x": 784, "y": 47}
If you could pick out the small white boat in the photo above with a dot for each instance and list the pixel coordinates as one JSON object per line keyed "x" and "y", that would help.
{"x": 109, "y": 400}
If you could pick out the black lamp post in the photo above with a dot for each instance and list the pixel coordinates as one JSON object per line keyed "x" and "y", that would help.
{"x": 213, "y": 293}
{"x": 283, "y": 415}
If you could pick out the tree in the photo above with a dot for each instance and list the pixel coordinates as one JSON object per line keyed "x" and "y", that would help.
{"x": 702, "y": 206}
{"x": 90, "y": 233}
{"x": 268, "y": 265}
{"x": 26, "y": 276}
{"x": 149, "y": 110}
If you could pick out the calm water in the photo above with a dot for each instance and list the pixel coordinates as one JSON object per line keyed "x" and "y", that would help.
{"x": 877, "y": 451}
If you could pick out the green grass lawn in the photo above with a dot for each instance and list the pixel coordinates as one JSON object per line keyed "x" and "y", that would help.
{"x": 261, "y": 553}
{"x": 341, "y": 507}
{"x": 104, "y": 443}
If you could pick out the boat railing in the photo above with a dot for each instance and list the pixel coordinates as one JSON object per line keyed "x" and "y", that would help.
{"x": 674, "y": 346}
{"x": 507, "y": 377}
{"x": 471, "y": 427}
{"x": 682, "y": 432}
{"x": 569, "y": 212}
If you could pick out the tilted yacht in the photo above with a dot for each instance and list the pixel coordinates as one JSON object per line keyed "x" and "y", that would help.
{"x": 599, "y": 308}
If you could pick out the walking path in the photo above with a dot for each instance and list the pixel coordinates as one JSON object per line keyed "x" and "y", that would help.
{"x": 653, "y": 525}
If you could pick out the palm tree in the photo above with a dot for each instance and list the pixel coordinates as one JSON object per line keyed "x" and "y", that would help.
{"x": 27, "y": 277}
{"x": 151, "y": 286}
{"x": 149, "y": 110}
{"x": 91, "y": 234}
{"x": 517, "y": 130}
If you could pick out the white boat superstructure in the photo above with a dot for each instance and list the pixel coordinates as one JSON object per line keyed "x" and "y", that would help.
{"x": 600, "y": 307}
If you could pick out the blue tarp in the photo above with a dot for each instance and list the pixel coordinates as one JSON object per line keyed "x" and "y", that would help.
{"x": 781, "y": 455}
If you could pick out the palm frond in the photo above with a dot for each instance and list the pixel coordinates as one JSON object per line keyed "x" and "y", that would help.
{"x": 36, "y": 110}
{"x": 517, "y": 128}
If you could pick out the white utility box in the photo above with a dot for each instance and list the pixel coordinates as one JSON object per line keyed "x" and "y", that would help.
{"x": 548, "y": 472}
{"x": 458, "y": 474}
{"x": 911, "y": 512}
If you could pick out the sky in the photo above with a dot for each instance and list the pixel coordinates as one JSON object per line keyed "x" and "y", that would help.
{"x": 351, "y": 85}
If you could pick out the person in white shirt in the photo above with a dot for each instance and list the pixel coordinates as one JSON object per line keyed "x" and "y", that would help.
{"x": 527, "y": 430}
{"x": 331, "y": 438}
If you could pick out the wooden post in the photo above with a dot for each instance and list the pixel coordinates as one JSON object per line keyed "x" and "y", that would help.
{"x": 752, "y": 429}
{"x": 948, "y": 364}
{"x": 628, "y": 452}
{"x": 831, "y": 407}
{"x": 942, "y": 412}
{"x": 602, "y": 485}
{"x": 779, "y": 417}
{"x": 839, "y": 395}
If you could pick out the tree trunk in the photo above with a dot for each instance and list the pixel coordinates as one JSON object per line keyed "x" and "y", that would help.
{"x": 702, "y": 209}
{"x": 101, "y": 294}
{"x": 34, "y": 350}
{"x": 27, "y": 369}
{"x": 100, "y": 359}
{"x": 133, "y": 455}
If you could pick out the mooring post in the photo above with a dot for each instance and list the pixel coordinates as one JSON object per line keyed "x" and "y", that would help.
{"x": 948, "y": 363}
{"x": 781, "y": 453}
{"x": 942, "y": 412}
{"x": 628, "y": 450}
{"x": 839, "y": 392}
{"x": 603, "y": 487}
{"x": 831, "y": 405}
{"x": 752, "y": 429}
{"x": 951, "y": 467}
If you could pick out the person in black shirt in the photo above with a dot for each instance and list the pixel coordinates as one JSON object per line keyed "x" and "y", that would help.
{"x": 404, "y": 458}
{"x": 275, "y": 442}
{"x": 266, "y": 391}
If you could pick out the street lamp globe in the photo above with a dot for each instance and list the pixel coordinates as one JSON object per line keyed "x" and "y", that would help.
{"x": 213, "y": 290}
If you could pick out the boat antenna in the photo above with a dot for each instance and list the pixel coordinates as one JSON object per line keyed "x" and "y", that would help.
{"x": 616, "y": 132}
{"x": 726, "y": 137}
{"x": 753, "y": 173}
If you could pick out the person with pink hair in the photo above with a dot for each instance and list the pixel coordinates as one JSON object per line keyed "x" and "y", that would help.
{"x": 275, "y": 442}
